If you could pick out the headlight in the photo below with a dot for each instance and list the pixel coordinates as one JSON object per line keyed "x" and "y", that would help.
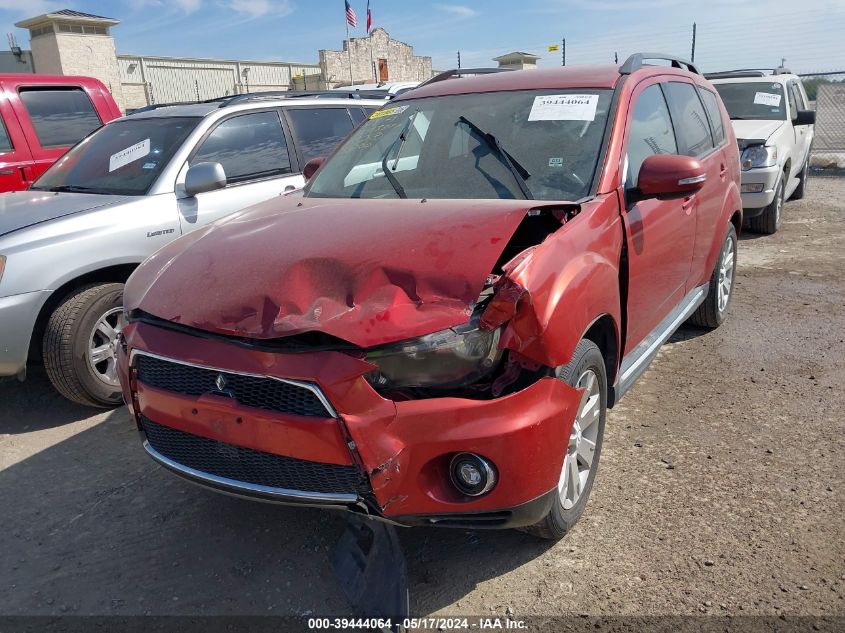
{"x": 451, "y": 358}
{"x": 759, "y": 156}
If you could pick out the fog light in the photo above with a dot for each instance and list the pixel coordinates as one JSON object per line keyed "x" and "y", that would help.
{"x": 752, "y": 188}
{"x": 471, "y": 474}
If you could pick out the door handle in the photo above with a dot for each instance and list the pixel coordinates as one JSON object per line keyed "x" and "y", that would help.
{"x": 289, "y": 188}
{"x": 722, "y": 170}
{"x": 687, "y": 204}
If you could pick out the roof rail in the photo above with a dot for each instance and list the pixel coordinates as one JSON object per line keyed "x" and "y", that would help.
{"x": 462, "y": 72}
{"x": 637, "y": 61}
{"x": 748, "y": 72}
{"x": 300, "y": 94}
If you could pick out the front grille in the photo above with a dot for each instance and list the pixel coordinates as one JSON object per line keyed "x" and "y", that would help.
{"x": 250, "y": 391}
{"x": 248, "y": 465}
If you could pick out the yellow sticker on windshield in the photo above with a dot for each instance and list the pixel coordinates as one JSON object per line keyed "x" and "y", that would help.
{"x": 388, "y": 112}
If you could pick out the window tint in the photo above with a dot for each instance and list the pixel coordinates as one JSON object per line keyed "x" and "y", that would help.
{"x": 651, "y": 132}
{"x": 358, "y": 115}
{"x": 690, "y": 121}
{"x": 797, "y": 97}
{"x": 753, "y": 100}
{"x": 5, "y": 141}
{"x": 249, "y": 146}
{"x": 793, "y": 106}
{"x": 711, "y": 104}
{"x": 318, "y": 130}
{"x": 60, "y": 116}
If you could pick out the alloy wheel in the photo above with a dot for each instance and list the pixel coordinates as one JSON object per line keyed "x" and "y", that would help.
{"x": 726, "y": 274}
{"x": 582, "y": 442}
{"x": 102, "y": 346}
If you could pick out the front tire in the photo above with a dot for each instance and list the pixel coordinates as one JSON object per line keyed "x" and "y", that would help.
{"x": 80, "y": 342}
{"x": 581, "y": 458}
{"x": 712, "y": 312}
{"x": 768, "y": 222}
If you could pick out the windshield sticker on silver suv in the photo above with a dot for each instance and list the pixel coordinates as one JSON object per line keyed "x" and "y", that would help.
{"x": 766, "y": 98}
{"x": 129, "y": 155}
{"x": 564, "y": 108}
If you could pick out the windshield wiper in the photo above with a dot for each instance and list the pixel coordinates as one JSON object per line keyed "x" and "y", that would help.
{"x": 70, "y": 189}
{"x": 519, "y": 172}
{"x": 394, "y": 182}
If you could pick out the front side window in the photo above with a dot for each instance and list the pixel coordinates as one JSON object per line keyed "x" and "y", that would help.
{"x": 124, "y": 157}
{"x": 690, "y": 121}
{"x": 796, "y": 101}
{"x": 711, "y": 104}
{"x": 61, "y": 116}
{"x": 319, "y": 130}
{"x": 5, "y": 141}
{"x": 753, "y": 100}
{"x": 651, "y": 132}
{"x": 249, "y": 146}
{"x": 455, "y": 147}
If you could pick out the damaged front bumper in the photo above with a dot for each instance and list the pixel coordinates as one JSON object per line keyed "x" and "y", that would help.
{"x": 359, "y": 452}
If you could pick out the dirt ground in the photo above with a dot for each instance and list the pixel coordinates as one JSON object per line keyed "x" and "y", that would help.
{"x": 720, "y": 489}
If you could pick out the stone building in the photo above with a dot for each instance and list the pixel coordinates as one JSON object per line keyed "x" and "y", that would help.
{"x": 375, "y": 58}
{"x": 70, "y": 42}
{"x": 517, "y": 61}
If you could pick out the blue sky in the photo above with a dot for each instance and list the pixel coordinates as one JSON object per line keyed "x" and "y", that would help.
{"x": 730, "y": 33}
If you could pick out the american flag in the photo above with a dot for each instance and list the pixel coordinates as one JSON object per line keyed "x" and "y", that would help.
{"x": 350, "y": 15}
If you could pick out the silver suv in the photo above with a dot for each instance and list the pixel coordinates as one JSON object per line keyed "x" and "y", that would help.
{"x": 69, "y": 243}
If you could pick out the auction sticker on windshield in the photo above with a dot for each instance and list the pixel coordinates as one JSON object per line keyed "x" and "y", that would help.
{"x": 564, "y": 108}
{"x": 129, "y": 155}
{"x": 388, "y": 112}
{"x": 766, "y": 98}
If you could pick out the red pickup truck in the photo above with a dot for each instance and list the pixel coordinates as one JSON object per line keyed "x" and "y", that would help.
{"x": 41, "y": 116}
{"x": 433, "y": 332}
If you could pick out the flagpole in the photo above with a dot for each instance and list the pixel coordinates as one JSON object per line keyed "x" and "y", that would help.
{"x": 349, "y": 51}
{"x": 370, "y": 38}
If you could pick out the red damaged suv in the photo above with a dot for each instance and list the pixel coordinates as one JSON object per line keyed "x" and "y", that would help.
{"x": 433, "y": 332}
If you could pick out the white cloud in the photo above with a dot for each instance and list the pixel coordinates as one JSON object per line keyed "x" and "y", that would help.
{"x": 30, "y": 8}
{"x": 260, "y": 8}
{"x": 458, "y": 9}
{"x": 182, "y": 6}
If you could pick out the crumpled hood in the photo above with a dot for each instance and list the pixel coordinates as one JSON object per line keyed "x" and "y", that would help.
{"x": 19, "y": 209}
{"x": 366, "y": 271}
{"x": 755, "y": 130}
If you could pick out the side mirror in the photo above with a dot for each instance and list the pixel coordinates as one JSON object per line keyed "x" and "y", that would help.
{"x": 312, "y": 166}
{"x": 204, "y": 177}
{"x": 805, "y": 117}
{"x": 668, "y": 176}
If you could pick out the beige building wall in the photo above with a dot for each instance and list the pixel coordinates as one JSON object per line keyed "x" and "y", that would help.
{"x": 402, "y": 64}
{"x": 90, "y": 55}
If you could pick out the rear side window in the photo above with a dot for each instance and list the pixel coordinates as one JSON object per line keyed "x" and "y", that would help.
{"x": 691, "y": 124}
{"x": 5, "y": 141}
{"x": 711, "y": 104}
{"x": 249, "y": 147}
{"x": 318, "y": 130}
{"x": 651, "y": 132}
{"x": 358, "y": 115}
{"x": 60, "y": 116}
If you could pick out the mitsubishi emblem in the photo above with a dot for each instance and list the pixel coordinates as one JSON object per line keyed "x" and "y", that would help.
{"x": 220, "y": 382}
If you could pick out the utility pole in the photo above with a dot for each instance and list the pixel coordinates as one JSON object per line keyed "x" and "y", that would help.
{"x": 615, "y": 57}
{"x": 459, "y": 60}
{"x": 563, "y": 53}
{"x": 692, "y": 56}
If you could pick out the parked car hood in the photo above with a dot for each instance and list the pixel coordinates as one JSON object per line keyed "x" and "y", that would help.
{"x": 365, "y": 271}
{"x": 755, "y": 129}
{"x": 19, "y": 209}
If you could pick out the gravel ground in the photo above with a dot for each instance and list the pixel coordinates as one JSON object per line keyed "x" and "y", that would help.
{"x": 720, "y": 489}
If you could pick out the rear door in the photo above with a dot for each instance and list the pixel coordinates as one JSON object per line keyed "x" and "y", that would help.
{"x": 661, "y": 233}
{"x": 695, "y": 139}
{"x": 16, "y": 168}
{"x": 317, "y": 130}
{"x": 53, "y": 119}
{"x": 252, "y": 147}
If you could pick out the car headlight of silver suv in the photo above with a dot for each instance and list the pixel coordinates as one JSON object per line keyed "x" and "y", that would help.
{"x": 758, "y": 156}
{"x": 450, "y": 358}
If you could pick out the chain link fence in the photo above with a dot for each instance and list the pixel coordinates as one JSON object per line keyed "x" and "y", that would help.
{"x": 826, "y": 92}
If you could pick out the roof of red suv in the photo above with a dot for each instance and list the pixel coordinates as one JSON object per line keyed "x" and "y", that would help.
{"x": 604, "y": 76}
{"x": 36, "y": 79}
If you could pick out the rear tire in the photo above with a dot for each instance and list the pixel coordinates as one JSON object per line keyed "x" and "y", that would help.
{"x": 768, "y": 222}
{"x": 586, "y": 369}
{"x": 79, "y": 343}
{"x": 801, "y": 189}
{"x": 713, "y": 311}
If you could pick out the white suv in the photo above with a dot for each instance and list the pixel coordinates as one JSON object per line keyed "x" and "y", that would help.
{"x": 774, "y": 129}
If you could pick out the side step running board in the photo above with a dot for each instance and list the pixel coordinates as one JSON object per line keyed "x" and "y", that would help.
{"x": 638, "y": 360}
